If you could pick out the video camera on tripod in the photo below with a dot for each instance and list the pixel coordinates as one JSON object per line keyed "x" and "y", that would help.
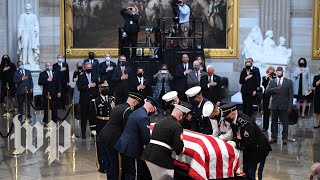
{"x": 175, "y": 8}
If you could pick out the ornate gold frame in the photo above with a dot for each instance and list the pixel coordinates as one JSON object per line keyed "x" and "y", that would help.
{"x": 316, "y": 30}
{"x": 230, "y": 52}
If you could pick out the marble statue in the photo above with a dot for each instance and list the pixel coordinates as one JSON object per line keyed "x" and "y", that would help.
{"x": 253, "y": 44}
{"x": 281, "y": 50}
{"x": 269, "y": 46}
{"x": 28, "y": 37}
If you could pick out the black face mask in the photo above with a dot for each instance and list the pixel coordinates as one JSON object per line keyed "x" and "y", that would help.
{"x": 302, "y": 65}
{"x": 194, "y": 102}
{"x": 91, "y": 56}
{"x": 228, "y": 119}
{"x": 79, "y": 68}
{"x": 139, "y": 74}
{"x": 105, "y": 92}
{"x": 88, "y": 70}
{"x": 150, "y": 113}
{"x": 248, "y": 67}
{"x": 122, "y": 63}
{"x": 280, "y": 76}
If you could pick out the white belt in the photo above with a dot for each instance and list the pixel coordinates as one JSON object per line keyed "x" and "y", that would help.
{"x": 161, "y": 144}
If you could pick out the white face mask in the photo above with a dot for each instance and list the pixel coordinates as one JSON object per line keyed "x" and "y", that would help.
{"x": 60, "y": 59}
{"x": 108, "y": 58}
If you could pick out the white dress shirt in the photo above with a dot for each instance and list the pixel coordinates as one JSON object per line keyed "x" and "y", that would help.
{"x": 184, "y": 13}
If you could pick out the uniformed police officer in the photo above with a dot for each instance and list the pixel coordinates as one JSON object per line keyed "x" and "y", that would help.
{"x": 166, "y": 137}
{"x": 99, "y": 111}
{"x": 220, "y": 127}
{"x": 249, "y": 138}
{"x": 111, "y": 133}
{"x": 199, "y": 123}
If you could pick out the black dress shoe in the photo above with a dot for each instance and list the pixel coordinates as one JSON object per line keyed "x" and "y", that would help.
{"x": 272, "y": 140}
{"x": 102, "y": 170}
{"x": 83, "y": 136}
{"x": 264, "y": 129}
{"x": 316, "y": 127}
{"x": 29, "y": 116}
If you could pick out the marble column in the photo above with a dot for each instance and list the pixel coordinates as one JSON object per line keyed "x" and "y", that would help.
{"x": 15, "y": 9}
{"x": 275, "y": 15}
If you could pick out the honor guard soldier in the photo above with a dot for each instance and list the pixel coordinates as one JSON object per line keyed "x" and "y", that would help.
{"x": 166, "y": 137}
{"x": 99, "y": 111}
{"x": 111, "y": 133}
{"x": 220, "y": 127}
{"x": 249, "y": 138}
{"x": 199, "y": 123}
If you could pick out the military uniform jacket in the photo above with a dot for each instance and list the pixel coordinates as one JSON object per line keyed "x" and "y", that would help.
{"x": 136, "y": 134}
{"x": 221, "y": 128}
{"x": 253, "y": 142}
{"x": 99, "y": 111}
{"x": 167, "y": 131}
{"x": 199, "y": 123}
{"x": 111, "y": 132}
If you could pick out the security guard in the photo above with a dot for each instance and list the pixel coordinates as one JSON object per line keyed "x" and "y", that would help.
{"x": 99, "y": 112}
{"x": 199, "y": 123}
{"x": 111, "y": 133}
{"x": 249, "y": 138}
{"x": 166, "y": 137}
{"x": 220, "y": 127}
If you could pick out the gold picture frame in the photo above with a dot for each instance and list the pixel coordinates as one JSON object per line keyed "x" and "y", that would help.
{"x": 316, "y": 30}
{"x": 232, "y": 33}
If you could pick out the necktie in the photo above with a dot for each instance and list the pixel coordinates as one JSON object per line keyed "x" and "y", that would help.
{"x": 185, "y": 67}
{"x": 89, "y": 78}
{"x": 279, "y": 82}
{"x": 139, "y": 80}
{"x": 50, "y": 74}
{"x": 22, "y": 73}
{"x": 91, "y": 61}
{"x": 210, "y": 80}
{"x": 122, "y": 70}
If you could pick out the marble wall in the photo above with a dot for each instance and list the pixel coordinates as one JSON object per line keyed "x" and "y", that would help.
{"x": 300, "y": 41}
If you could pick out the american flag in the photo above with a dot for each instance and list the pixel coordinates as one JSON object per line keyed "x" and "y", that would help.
{"x": 207, "y": 157}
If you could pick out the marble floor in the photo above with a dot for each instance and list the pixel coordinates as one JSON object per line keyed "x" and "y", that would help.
{"x": 290, "y": 161}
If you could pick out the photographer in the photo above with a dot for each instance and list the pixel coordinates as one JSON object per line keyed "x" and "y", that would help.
{"x": 162, "y": 78}
{"x": 131, "y": 29}
{"x": 184, "y": 15}
{"x": 270, "y": 74}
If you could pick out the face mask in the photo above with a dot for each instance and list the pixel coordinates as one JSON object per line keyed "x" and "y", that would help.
{"x": 60, "y": 59}
{"x": 79, "y": 68}
{"x": 139, "y": 74}
{"x": 88, "y": 70}
{"x": 122, "y": 63}
{"x": 194, "y": 102}
{"x": 280, "y": 76}
{"x": 21, "y": 67}
{"x": 150, "y": 113}
{"x": 49, "y": 68}
{"x": 105, "y": 92}
{"x": 108, "y": 58}
{"x": 196, "y": 68}
{"x": 91, "y": 56}
{"x": 248, "y": 67}
{"x": 302, "y": 65}
{"x": 228, "y": 119}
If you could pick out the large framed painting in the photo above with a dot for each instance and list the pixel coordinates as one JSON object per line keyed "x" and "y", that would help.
{"x": 92, "y": 25}
{"x": 316, "y": 30}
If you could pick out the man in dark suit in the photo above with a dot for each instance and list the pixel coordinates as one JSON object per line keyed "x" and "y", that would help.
{"x": 281, "y": 101}
{"x": 63, "y": 69}
{"x": 249, "y": 138}
{"x": 199, "y": 123}
{"x": 111, "y": 133}
{"x": 106, "y": 69}
{"x": 131, "y": 28}
{"x": 120, "y": 79}
{"x": 94, "y": 62}
{"x": 194, "y": 77}
{"x": 135, "y": 135}
{"x": 24, "y": 84}
{"x": 211, "y": 86}
{"x": 257, "y": 72}
{"x": 140, "y": 84}
{"x": 50, "y": 81}
{"x": 88, "y": 86}
{"x": 182, "y": 70}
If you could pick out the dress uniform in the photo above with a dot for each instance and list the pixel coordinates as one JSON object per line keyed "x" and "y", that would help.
{"x": 165, "y": 138}
{"x": 249, "y": 138}
{"x": 220, "y": 127}
{"x": 99, "y": 110}
{"x": 135, "y": 135}
{"x": 111, "y": 133}
{"x": 199, "y": 123}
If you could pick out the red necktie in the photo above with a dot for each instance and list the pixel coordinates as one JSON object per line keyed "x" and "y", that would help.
{"x": 22, "y": 73}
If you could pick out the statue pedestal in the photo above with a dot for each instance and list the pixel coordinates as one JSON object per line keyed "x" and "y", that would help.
{"x": 35, "y": 71}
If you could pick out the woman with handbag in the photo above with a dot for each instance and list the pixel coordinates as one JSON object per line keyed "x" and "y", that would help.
{"x": 302, "y": 84}
{"x": 316, "y": 100}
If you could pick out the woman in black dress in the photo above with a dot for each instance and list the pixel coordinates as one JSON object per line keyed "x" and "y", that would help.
{"x": 316, "y": 84}
{"x": 270, "y": 74}
{"x": 7, "y": 69}
{"x": 248, "y": 88}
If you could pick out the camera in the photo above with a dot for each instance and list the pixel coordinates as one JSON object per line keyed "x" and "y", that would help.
{"x": 164, "y": 71}
{"x": 130, "y": 8}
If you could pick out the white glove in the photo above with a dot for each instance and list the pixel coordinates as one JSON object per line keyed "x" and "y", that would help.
{"x": 94, "y": 132}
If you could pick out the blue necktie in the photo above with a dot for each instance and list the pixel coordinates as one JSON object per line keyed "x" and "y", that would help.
{"x": 89, "y": 78}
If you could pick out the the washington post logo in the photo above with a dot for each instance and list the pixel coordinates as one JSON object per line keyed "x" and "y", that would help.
{"x": 33, "y": 144}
